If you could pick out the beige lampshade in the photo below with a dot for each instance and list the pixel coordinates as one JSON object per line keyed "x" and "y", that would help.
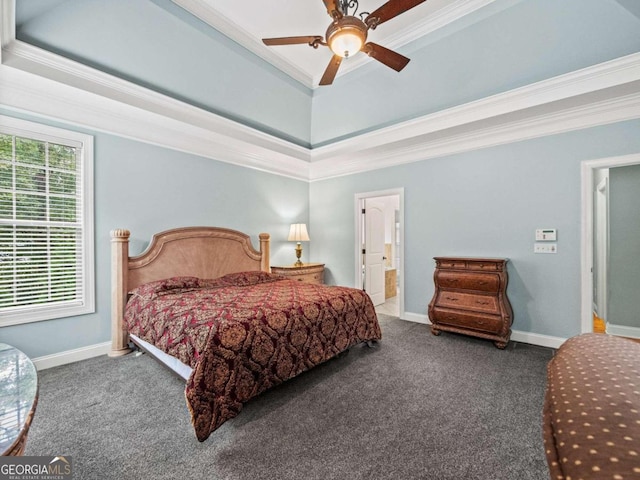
{"x": 298, "y": 233}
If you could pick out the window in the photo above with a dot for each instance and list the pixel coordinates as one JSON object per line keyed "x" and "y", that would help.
{"x": 46, "y": 222}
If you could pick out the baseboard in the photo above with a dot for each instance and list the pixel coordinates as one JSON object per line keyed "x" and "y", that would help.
{"x": 516, "y": 335}
{"x": 537, "y": 339}
{"x": 623, "y": 331}
{"x": 70, "y": 356}
{"x": 415, "y": 317}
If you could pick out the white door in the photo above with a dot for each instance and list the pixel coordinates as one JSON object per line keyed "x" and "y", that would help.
{"x": 601, "y": 248}
{"x": 374, "y": 251}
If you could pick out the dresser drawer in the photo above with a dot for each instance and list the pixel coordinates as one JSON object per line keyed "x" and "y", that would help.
{"x": 308, "y": 273}
{"x": 468, "y": 281}
{"x": 484, "y": 266}
{"x": 468, "y": 301}
{"x": 309, "y": 277}
{"x": 461, "y": 264}
{"x": 472, "y": 321}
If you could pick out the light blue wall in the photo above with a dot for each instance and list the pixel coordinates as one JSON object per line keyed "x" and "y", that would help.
{"x": 483, "y": 203}
{"x": 632, "y": 5}
{"x": 487, "y": 202}
{"x": 147, "y": 189}
{"x": 158, "y": 45}
{"x": 624, "y": 246}
{"x": 531, "y": 41}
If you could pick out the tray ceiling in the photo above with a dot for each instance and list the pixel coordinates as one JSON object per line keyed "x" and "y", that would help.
{"x": 604, "y": 90}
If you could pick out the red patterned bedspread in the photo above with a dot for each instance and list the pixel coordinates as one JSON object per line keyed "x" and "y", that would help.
{"x": 244, "y": 333}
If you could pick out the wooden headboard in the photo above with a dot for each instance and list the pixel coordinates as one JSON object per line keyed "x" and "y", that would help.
{"x": 204, "y": 252}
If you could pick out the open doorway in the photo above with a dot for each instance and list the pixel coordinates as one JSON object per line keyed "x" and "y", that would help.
{"x": 610, "y": 243}
{"x": 380, "y": 248}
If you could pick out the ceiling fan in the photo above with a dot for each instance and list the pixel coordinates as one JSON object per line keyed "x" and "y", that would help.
{"x": 347, "y": 34}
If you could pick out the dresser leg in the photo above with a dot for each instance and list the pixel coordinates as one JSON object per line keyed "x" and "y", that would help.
{"x": 501, "y": 345}
{"x": 435, "y": 331}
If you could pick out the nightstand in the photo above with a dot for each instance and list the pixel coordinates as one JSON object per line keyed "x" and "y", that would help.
{"x": 308, "y": 272}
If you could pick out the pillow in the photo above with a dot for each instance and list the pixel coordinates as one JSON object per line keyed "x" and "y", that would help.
{"x": 151, "y": 290}
{"x": 241, "y": 279}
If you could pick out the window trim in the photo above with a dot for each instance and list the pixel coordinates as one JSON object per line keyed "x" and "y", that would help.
{"x": 37, "y": 131}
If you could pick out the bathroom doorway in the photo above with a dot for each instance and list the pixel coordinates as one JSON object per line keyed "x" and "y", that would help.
{"x": 380, "y": 249}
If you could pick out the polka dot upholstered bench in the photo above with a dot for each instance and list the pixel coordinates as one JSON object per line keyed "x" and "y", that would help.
{"x": 592, "y": 409}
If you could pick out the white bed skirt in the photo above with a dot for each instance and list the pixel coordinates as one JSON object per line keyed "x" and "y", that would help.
{"x": 173, "y": 363}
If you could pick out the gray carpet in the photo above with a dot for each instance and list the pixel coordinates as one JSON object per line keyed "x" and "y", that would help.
{"x": 414, "y": 407}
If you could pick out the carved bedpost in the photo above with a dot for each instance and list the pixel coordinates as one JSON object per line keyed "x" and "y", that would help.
{"x": 265, "y": 264}
{"x": 119, "y": 273}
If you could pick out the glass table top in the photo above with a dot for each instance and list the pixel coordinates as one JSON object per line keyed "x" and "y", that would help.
{"x": 18, "y": 393}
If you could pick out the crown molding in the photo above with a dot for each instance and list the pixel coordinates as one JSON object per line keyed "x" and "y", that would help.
{"x": 454, "y": 11}
{"x": 41, "y": 83}
{"x": 476, "y": 137}
{"x": 502, "y": 118}
{"x": 204, "y": 10}
{"x": 44, "y": 64}
{"x": 192, "y": 131}
{"x": 614, "y": 73}
{"x": 209, "y": 15}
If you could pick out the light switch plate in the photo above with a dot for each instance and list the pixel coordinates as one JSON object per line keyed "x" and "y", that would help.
{"x": 546, "y": 234}
{"x": 545, "y": 248}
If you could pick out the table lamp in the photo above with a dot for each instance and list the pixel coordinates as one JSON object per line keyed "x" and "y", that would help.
{"x": 298, "y": 233}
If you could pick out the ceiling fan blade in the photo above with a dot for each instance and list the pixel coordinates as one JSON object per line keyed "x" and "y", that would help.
{"x": 384, "y": 55}
{"x": 389, "y": 10}
{"x": 331, "y": 71}
{"x": 333, "y": 9}
{"x": 313, "y": 40}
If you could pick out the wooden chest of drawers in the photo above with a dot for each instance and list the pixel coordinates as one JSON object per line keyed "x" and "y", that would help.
{"x": 309, "y": 272}
{"x": 471, "y": 298}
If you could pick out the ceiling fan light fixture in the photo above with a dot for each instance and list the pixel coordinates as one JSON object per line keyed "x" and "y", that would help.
{"x": 346, "y": 36}
{"x": 346, "y": 44}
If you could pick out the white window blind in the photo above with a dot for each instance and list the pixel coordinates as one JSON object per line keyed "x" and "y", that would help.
{"x": 46, "y": 227}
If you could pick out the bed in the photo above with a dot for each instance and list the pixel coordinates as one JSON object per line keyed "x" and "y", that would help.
{"x": 202, "y": 301}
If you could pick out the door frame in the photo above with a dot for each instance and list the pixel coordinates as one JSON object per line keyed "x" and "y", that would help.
{"x": 359, "y": 238}
{"x": 601, "y": 249}
{"x": 587, "y": 169}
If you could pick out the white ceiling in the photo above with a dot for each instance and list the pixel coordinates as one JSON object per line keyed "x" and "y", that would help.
{"x": 258, "y": 19}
